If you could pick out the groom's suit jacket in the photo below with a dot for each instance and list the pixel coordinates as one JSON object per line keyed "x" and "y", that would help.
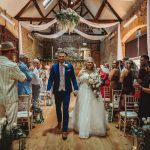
{"x": 54, "y": 79}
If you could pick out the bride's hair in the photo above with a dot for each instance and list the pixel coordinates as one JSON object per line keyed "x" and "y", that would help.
{"x": 89, "y": 59}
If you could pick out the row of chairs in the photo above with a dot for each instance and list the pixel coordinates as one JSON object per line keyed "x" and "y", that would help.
{"x": 127, "y": 116}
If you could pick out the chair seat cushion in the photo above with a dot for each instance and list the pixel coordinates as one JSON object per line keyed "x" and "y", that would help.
{"x": 130, "y": 114}
{"x": 23, "y": 114}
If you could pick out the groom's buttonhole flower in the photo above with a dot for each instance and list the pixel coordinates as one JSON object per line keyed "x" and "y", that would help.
{"x": 65, "y": 65}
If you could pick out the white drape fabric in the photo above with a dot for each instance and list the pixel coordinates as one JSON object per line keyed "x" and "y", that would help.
{"x": 41, "y": 27}
{"x": 148, "y": 27}
{"x": 51, "y": 36}
{"x": 90, "y": 37}
{"x": 20, "y": 39}
{"x": 119, "y": 45}
{"x": 97, "y": 25}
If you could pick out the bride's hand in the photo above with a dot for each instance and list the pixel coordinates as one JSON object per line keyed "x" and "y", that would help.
{"x": 75, "y": 93}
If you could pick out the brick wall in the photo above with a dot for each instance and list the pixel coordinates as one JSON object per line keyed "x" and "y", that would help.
{"x": 108, "y": 49}
{"x": 31, "y": 47}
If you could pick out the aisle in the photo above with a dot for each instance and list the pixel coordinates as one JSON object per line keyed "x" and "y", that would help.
{"x": 113, "y": 141}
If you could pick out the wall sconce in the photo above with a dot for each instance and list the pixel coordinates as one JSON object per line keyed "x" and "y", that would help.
{"x": 7, "y": 19}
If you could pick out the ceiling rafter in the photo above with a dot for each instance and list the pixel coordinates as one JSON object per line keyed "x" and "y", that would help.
{"x": 69, "y": 3}
{"x": 38, "y": 8}
{"x": 89, "y": 11}
{"x": 101, "y": 8}
{"x": 22, "y": 10}
{"x": 114, "y": 12}
{"x": 81, "y": 12}
{"x": 52, "y": 10}
{"x": 36, "y": 19}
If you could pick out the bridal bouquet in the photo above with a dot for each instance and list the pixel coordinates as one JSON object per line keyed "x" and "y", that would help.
{"x": 94, "y": 83}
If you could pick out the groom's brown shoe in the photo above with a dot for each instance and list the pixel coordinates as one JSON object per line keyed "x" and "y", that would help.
{"x": 64, "y": 135}
{"x": 58, "y": 128}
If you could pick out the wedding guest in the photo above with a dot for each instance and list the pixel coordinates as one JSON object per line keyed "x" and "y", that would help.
{"x": 114, "y": 77}
{"x": 24, "y": 88}
{"x": 127, "y": 77}
{"x": 144, "y": 87}
{"x": 10, "y": 74}
{"x": 35, "y": 83}
{"x": 89, "y": 117}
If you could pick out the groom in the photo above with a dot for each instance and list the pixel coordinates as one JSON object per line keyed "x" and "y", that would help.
{"x": 61, "y": 76}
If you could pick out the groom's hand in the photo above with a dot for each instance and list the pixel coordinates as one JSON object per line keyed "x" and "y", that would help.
{"x": 75, "y": 93}
{"x": 49, "y": 93}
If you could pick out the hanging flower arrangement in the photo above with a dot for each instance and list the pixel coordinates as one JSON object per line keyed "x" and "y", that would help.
{"x": 67, "y": 19}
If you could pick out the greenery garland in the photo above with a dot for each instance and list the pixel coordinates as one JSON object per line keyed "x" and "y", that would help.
{"x": 67, "y": 19}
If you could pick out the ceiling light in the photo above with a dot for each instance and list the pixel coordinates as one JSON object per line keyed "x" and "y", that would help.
{"x": 7, "y": 19}
{"x": 46, "y": 3}
{"x": 130, "y": 21}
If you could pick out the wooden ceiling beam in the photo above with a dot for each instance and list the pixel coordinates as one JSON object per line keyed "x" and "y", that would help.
{"x": 89, "y": 11}
{"x": 81, "y": 12}
{"x": 100, "y": 9}
{"x": 64, "y": 3}
{"x": 38, "y": 8}
{"x": 69, "y": 3}
{"x": 36, "y": 19}
{"x": 114, "y": 12}
{"x": 85, "y": 14}
{"x": 22, "y": 10}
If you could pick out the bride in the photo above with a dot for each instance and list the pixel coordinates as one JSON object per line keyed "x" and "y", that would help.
{"x": 89, "y": 117}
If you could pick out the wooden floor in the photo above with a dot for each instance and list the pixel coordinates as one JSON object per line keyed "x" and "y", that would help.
{"x": 113, "y": 141}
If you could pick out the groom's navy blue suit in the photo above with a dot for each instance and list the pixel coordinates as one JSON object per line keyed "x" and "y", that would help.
{"x": 62, "y": 96}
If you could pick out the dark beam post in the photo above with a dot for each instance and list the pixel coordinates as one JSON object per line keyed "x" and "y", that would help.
{"x": 100, "y": 9}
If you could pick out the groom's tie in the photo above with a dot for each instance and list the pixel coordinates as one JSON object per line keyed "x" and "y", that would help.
{"x": 61, "y": 70}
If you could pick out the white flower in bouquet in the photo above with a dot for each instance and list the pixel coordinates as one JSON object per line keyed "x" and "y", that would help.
{"x": 143, "y": 119}
{"x": 97, "y": 85}
{"x": 145, "y": 122}
{"x": 91, "y": 81}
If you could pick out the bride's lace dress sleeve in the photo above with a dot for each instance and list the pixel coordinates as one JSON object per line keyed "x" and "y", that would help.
{"x": 81, "y": 78}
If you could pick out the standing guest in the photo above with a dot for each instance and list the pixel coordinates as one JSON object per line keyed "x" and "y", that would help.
{"x": 114, "y": 77}
{"x": 24, "y": 88}
{"x": 35, "y": 83}
{"x": 144, "y": 87}
{"x": 127, "y": 77}
{"x": 10, "y": 74}
{"x": 62, "y": 77}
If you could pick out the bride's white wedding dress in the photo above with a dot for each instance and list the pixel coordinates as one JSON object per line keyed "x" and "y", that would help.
{"x": 89, "y": 116}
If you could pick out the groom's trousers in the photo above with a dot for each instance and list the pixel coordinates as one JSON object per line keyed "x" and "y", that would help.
{"x": 62, "y": 97}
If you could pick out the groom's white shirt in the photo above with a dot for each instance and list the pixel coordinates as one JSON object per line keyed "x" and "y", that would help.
{"x": 62, "y": 78}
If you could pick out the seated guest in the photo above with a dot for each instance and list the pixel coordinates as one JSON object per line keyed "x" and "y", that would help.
{"x": 10, "y": 74}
